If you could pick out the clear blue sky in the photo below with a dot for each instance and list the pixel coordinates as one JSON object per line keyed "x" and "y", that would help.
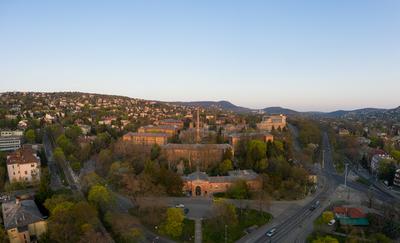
{"x": 305, "y": 55}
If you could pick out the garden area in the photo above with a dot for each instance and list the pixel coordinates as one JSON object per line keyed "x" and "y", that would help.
{"x": 234, "y": 221}
{"x": 378, "y": 230}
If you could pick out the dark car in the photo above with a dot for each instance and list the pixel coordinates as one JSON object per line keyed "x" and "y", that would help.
{"x": 314, "y": 206}
{"x": 186, "y": 210}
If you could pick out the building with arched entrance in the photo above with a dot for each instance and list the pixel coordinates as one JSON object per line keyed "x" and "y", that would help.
{"x": 200, "y": 184}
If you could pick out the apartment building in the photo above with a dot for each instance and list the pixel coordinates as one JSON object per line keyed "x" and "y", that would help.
{"x": 272, "y": 122}
{"x": 23, "y": 165}
{"x": 146, "y": 138}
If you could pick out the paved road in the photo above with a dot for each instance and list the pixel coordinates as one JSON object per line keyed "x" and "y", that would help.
{"x": 55, "y": 180}
{"x": 300, "y": 224}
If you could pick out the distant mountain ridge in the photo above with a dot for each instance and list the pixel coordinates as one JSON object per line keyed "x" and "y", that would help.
{"x": 223, "y": 104}
{"x": 226, "y": 105}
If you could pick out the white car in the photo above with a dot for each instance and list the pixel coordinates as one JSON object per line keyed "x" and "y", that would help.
{"x": 179, "y": 205}
{"x": 271, "y": 232}
{"x": 332, "y": 222}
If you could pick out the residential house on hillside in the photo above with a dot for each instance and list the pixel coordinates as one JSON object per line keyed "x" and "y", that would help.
{"x": 351, "y": 216}
{"x": 171, "y": 122}
{"x": 23, "y": 165}
{"x": 272, "y": 122}
{"x": 23, "y": 221}
{"x": 377, "y": 159}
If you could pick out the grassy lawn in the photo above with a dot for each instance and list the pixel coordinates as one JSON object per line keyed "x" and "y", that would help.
{"x": 314, "y": 236}
{"x": 188, "y": 231}
{"x": 216, "y": 233}
{"x": 363, "y": 181}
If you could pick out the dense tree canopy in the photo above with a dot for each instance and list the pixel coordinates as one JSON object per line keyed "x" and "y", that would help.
{"x": 101, "y": 197}
{"x": 174, "y": 223}
{"x": 30, "y": 136}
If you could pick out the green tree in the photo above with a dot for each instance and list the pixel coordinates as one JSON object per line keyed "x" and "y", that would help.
{"x": 381, "y": 238}
{"x": 3, "y": 235}
{"x": 261, "y": 165}
{"x": 101, "y": 197}
{"x": 225, "y": 214}
{"x": 44, "y": 191}
{"x": 225, "y": 166}
{"x": 170, "y": 180}
{"x": 59, "y": 155}
{"x": 256, "y": 151}
{"x": 327, "y": 216}
{"x": 387, "y": 170}
{"x": 396, "y": 155}
{"x": 68, "y": 220}
{"x": 73, "y": 132}
{"x": 228, "y": 154}
{"x": 30, "y": 136}
{"x": 173, "y": 225}
{"x": 325, "y": 239}
{"x": 90, "y": 180}
{"x": 155, "y": 152}
{"x": 239, "y": 190}
{"x": 104, "y": 161}
{"x": 65, "y": 144}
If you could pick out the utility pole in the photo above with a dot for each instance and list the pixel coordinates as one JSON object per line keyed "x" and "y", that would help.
{"x": 345, "y": 181}
{"x": 323, "y": 158}
{"x": 345, "y": 175}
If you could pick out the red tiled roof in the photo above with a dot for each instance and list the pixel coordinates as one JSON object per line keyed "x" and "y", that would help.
{"x": 135, "y": 134}
{"x": 350, "y": 212}
{"x": 24, "y": 155}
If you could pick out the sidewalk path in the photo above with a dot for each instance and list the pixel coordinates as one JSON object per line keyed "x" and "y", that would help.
{"x": 197, "y": 231}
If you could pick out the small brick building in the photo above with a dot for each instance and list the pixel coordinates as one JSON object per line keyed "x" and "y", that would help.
{"x": 200, "y": 184}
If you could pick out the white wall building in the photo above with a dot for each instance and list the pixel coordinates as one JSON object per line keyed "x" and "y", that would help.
{"x": 23, "y": 165}
{"x": 376, "y": 159}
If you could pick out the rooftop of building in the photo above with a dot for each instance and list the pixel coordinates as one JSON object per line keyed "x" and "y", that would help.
{"x": 196, "y": 146}
{"x": 245, "y": 134}
{"x": 146, "y": 134}
{"x": 24, "y": 155}
{"x": 20, "y": 213}
{"x": 170, "y": 120}
{"x": 353, "y": 213}
{"x": 171, "y": 127}
{"x": 233, "y": 175}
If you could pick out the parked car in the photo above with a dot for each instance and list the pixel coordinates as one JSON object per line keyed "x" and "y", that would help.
{"x": 332, "y": 222}
{"x": 271, "y": 232}
{"x": 180, "y": 205}
{"x": 186, "y": 210}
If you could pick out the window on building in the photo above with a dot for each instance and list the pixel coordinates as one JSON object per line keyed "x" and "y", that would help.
{"x": 26, "y": 172}
{"x": 32, "y": 165}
